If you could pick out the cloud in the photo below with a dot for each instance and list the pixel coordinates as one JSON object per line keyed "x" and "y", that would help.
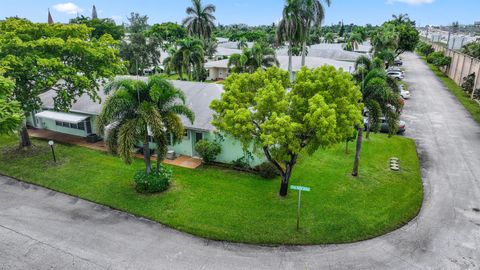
{"x": 411, "y": 2}
{"x": 69, "y": 8}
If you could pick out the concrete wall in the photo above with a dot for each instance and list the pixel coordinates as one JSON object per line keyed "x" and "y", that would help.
{"x": 217, "y": 73}
{"x": 462, "y": 65}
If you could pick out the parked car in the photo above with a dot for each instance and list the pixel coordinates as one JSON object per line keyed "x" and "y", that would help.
{"x": 405, "y": 94}
{"x": 397, "y": 69}
{"x": 398, "y": 62}
{"x": 396, "y": 74}
{"x": 384, "y": 125}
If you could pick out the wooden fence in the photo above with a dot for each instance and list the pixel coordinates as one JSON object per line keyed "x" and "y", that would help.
{"x": 462, "y": 65}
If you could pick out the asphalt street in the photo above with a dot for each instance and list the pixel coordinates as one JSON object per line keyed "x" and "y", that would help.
{"x": 42, "y": 229}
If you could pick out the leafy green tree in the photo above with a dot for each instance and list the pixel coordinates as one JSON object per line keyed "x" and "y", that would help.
{"x": 200, "y": 22}
{"x": 54, "y": 63}
{"x": 11, "y": 115}
{"x": 138, "y": 110}
{"x": 354, "y": 40}
{"x": 261, "y": 55}
{"x": 282, "y": 119}
{"x": 101, "y": 27}
{"x": 169, "y": 32}
{"x": 472, "y": 49}
{"x": 140, "y": 51}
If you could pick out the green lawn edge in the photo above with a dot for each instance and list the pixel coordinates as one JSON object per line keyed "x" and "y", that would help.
{"x": 411, "y": 201}
{"x": 470, "y": 105}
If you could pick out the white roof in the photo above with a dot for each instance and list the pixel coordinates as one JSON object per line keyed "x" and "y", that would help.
{"x": 310, "y": 62}
{"x": 61, "y": 116}
{"x": 198, "y": 98}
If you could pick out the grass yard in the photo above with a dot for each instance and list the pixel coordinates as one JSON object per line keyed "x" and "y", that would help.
{"x": 223, "y": 204}
{"x": 470, "y": 105}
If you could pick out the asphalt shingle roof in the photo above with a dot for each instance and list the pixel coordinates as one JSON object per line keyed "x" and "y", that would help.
{"x": 198, "y": 98}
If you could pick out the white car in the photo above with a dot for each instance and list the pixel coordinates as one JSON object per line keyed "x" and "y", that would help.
{"x": 396, "y": 74}
{"x": 405, "y": 94}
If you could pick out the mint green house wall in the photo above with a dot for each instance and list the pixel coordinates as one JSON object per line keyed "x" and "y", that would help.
{"x": 50, "y": 125}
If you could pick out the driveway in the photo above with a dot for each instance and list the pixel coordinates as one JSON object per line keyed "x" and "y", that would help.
{"x": 42, "y": 229}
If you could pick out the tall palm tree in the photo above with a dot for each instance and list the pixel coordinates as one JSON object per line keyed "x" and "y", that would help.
{"x": 242, "y": 44}
{"x": 200, "y": 20}
{"x": 189, "y": 56}
{"x": 290, "y": 28}
{"x": 379, "y": 99}
{"x": 312, "y": 14}
{"x": 137, "y": 111}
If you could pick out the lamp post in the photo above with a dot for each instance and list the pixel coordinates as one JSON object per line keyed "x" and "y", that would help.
{"x": 51, "y": 143}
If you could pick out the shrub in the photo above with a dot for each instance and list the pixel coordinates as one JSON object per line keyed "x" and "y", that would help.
{"x": 468, "y": 83}
{"x": 425, "y": 48}
{"x": 267, "y": 170}
{"x": 433, "y": 56}
{"x": 241, "y": 162}
{"x": 153, "y": 182}
{"x": 208, "y": 150}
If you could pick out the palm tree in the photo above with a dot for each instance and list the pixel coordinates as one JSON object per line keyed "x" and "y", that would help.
{"x": 329, "y": 37}
{"x": 261, "y": 55}
{"x": 242, "y": 43}
{"x": 379, "y": 99}
{"x": 187, "y": 57}
{"x": 312, "y": 14}
{"x": 353, "y": 42}
{"x": 290, "y": 28}
{"x": 137, "y": 111}
{"x": 210, "y": 47}
{"x": 200, "y": 20}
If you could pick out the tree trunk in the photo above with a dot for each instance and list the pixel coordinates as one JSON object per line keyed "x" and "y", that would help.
{"x": 367, "y": 135}
{"x": 24, "y": 137}
{"x": 304, "y": 52}
{"x": 356, "y": 163}
{"x": 283, "y": 187}
{"x": 146, "y": 155}
{"x": 290, "y": 71}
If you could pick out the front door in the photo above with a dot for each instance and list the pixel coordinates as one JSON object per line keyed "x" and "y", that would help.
{"x": 89, "y": 126}
{"x": 198, "y": 136}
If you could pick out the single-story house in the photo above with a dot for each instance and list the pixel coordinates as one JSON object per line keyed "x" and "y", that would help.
{"x": 81, "y": 120}
{"x": 218, "y": 70}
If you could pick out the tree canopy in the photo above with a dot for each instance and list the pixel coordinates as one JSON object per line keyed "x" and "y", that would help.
{"x": 11, "y": 114}
{"x": 101, "y": 27}
{"x": 39, "y": 57}
{"x": 281, "y": 119}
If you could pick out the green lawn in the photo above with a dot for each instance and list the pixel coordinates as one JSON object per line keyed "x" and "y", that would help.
{"x": 229, "y": 205}
{"x": 470, "y": 105}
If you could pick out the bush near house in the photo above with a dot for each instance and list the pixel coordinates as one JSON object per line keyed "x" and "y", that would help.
{"x": 267, "y": 170}
{"x": 208, "y": 150}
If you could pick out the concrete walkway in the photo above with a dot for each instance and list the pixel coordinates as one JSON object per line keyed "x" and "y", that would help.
{"x": 42, "y": 229}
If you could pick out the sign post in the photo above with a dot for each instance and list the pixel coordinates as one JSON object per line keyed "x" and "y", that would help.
{"x": 300, "y": 189}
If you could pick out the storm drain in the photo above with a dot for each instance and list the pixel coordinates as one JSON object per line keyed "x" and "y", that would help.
{"x": 394, "y": 164}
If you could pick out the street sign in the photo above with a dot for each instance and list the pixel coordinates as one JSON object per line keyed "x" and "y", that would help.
{"x": 300, "y": 189}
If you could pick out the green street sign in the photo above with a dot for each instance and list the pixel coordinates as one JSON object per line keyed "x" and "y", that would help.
{"x": 300, "y": 188}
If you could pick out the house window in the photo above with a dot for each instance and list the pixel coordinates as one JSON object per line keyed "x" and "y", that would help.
{"x": 79, "y": 126}
{"x": 185, "y": 134}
